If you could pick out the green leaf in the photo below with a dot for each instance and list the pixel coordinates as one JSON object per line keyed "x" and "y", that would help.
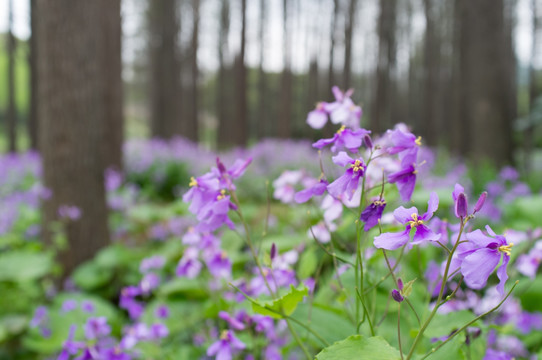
{"x": 359, "y": 347}
{"x": 307, "y": 264}
{"x": 444, "y": 324}
{"x": 286, "y": 304}
{"x": 90, "y": 276}
{"x": 21, "y": 265}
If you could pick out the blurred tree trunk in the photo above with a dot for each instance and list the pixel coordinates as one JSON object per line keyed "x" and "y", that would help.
{"x": 32, "y": 126}
{"x": 385, "y": 87}
{"x": 331, "y": 71}
{"x": 114, "y": 134}
{"x": 72, "y": 48}
{"x": 165, "y": 69}
{"x": 189, "y": 126}
{"x": 241, "y": 123}
{"x": 431, "y": 61}
{"x": 284, "y": 129}
{"x": 348, "y": 44}
{"x": 224, "y": 96}
{"x": 262, "y": 118}
{"x": 487, "y": 73}
{"x": 533, "y": 87}
{"x": 12, "y": 110}
{"x": 312, "y": 87}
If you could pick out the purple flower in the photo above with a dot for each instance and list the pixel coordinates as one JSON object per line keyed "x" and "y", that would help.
{"x": 234, "y": 323}
{"x": 410, "y": 218}
{"x": 227, "y": 346}
{"x": 372, "y": 214}
{"x": 406, "y": 177}
{"x": 483, "y": 257}
{"x": 162, "y": 312}
{"x": 158, "y": 331}
{"x": 344, "y": 138}
{"x": 318, "y": 117}
{"x": 150, "y": 263}
{"x": 87, "y": 306}
{"x": 40, "y": 316}
{"x": 219, "y": 265}
{"x": 96, "y": 328}
{"x": 396, "y": 295}
{"x": 284, "y": 185}
{"x": 69, "y": 212}
{"x": 529, "y": 321}
{"x": 214, "y": 213}
{"x": 347, "y": 184}
{"x": 69, "y": 305}
{"x": 403, "y": 142}
{"x": 149, "y": 282}
{"x": 70, "y": 347}
{"x": 189, "y": 265}
{"x": 316, "y": 189}
{"x": 343, "y": 110}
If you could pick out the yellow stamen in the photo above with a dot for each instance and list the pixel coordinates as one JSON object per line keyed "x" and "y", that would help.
{"x": 415, "y": 221}
{"x": 379, "y": 202}
{"x": 507, "y": 249}
{"x": 193, "y": 182}
{"x": 419, "y": 141}
{"x": 357, "y": 166}
{"x": 224, "y": 335}
{"x": 222, "y": 195}
{"x": 341, "y": 129}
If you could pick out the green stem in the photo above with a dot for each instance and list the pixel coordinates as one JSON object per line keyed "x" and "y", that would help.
{"x": 439, "y": 299}
{"x": 366, "y": 314}
{"x": 470, "y": 323}
{"x": 399, "y": 330}
{"x": 298, "y": 340}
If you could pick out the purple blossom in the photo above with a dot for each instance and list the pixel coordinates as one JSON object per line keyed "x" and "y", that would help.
{"x": 87, "y": 306}
{"x": 152, "y": 263}
{"x": 72, "y": 213}
{"x": 162, "y": 312}
{"x": 96, "y": 327}
{"x": 234, "y": 323}
{"x": 482, "y": 256}
{"x": 410, "y": 218}
{"x": 406, "y": 177}
{"x": 318, "y": 117}
{"x": 347, "y": 184}
{"x": 158, "y": 331}
{"x": 372, "y": 214}
{"x": 344, "y": 138}
{"x": 189, "y": 265}
{"x": 219, "y": 264}
{"x": 149, "y": 282}
{"x": 69, "y": 305}
{"x": 227, "y": 346}
{"x": 343, "y": 110}
{"x": 284, "y": 185}
{"x": 316, "y": 188}
{"x": 403, "y": 143}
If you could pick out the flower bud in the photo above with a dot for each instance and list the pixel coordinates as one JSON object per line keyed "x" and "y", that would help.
{"x": 400, "y": 283}
{"x": 396, "y": 295}
{"x": 273, "y": 252}
{"x": 480, "y": 202}
{"x": 220, "y": 166}
{"x": 368, "y": 142}
{"x": 461, "y": 206}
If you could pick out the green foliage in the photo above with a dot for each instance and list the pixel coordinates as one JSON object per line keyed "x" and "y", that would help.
{"x": 360, "y": 347}
{"x": 283, "y": 306}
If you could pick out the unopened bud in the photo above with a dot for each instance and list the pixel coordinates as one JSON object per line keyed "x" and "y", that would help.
{"x": 273, "y": 252}
{"x": 461, "y": 206}
{"x": 480, "y": 202}
{"x": 396, "y": 295}
{"x": 220, "y": 166}
{"x": 368, "y": 142}
{"x": 400, "y": 283}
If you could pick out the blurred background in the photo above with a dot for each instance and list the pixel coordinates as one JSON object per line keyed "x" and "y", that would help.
{"x": 462, "y": 74}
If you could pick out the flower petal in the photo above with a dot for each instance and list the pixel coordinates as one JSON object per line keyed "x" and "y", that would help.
{"x": 502, "y": 275}
{"x": 404, "y": 215}
{"x": 392, "y": 241}
{"x": 423, "y": 233}
{"x": 477, "y": 267}
{"x": 478, "y": 238}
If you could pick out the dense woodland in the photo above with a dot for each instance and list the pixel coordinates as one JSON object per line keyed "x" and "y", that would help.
{"x": 457, "y": 84}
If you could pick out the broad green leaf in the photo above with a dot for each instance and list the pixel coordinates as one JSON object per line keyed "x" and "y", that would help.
{"x": 21, "y": 265}
{"x": 359, "y": 347}
{"x": 444, "y": 324}
{"x": 307, "y": 264}
{"x": 90, "y": 276}
{"x": 286, "y": 304}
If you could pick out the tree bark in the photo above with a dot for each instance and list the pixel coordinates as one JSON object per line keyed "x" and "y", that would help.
{"x": 241, "y": 121}
{"x": 12, "y": 110}
{"x": 533, "y": 88}
{"x": 262, "y": 118}
{"x": 32, "y": 125}
{"x": 190, "y": 125}
{"x": 348, "y": 44}
{"x": 385, "y": 87}
{"x": 114, "y": 118}
{"x": 284, "y": 129}
{"x": 165, "y": 69}
{"x": 431, "y": 75}
{"x": 224, "y": 97}
{"x": 71, "y": 40}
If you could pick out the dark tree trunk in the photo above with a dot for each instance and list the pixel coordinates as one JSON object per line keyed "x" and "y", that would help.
{"x": 224, "y": 96}
{"x": 262, "y": 118}
{"x": 284, "y": 128}
{"x": 431, "y": 61}
{"x": 32, "y": 126}
{"x": 12, "y": 110}
{"x": 348, "y": 44}
{"x": 114, "y": 118}
{"x": 385, "y": 86}
{"x": 241, "y": 122}
{"x": 190, "y": 125}
{"x": 533, "y": 88}
{"x": 71, "y": 40}
{"x": 165, "y": 69}
{"x": 487, "y": 72}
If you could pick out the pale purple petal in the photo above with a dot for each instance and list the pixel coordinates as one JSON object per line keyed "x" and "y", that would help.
{"x": 432, "y": 205}
{"x": 404, "y": 215}
{"x": 423, "y": 233}
{"x": 502, "y": 275}
{"x": 342, "y": 159}
{"x": 477, "y": 267}
{"x": 478, "y": 238}
{"x": 392, "y": 241}
{"x": 317, "y": 119}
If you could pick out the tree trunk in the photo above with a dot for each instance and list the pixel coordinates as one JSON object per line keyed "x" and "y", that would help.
{"x": 241, "y": 123}
{"x": 284, "y": 129}
{"x": 12, "y": 110}
{"x": 262, "y": 118}
{"x": 348, "y": 44}
{"x": 114, "y": 118}
{"x": 533, "y": 88}
{"x": 224, "y": 96}
{"x": 32, "y": 126}
{"x": 431, "y": 79}
{"x": 385, "y": 87}
{"x": 71, "y": 40}
{"x": 190, "y": 125}
{"x": 487, "y": 73}
{"x": 165, "y": 69}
